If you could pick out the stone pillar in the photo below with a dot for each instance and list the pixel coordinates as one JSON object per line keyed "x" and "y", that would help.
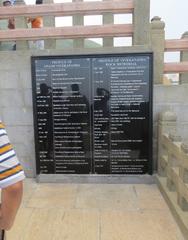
{"x": 167, "y": 124}
{"x": 108, "y": 18}
{"x": 182, "y": 203}
{"x": 183, "y": 173}
{"x": 49, "y": 21}
{"x": 21, "y": 22}
{"x": 158, "y": 45}
{"x": 141, "y": 21}
{"x": 78, "y": 20}
{"x": 183, "y": 168}
{"x": 172, "y": 162}
{"x": 184, "y": 57}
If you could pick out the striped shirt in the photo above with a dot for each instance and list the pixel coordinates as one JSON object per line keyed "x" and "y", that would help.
{"x": 10, "y": 169}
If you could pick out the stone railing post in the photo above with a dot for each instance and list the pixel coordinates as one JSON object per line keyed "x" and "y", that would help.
{"x": 183, "y": 173}
{"x": 167, "y": 124}
{"x": 21, "y": 22}
{"x": 78, "y": 20}
{"x": 108, "y": 18}
{"x": 184, "y": 57}
{"x": 49, "y": 21}
{"x": 173, "y": 162}
{"x": 184, "y": 163}
{"x": 141, "y": 21}
{"x": 158, "y": 45}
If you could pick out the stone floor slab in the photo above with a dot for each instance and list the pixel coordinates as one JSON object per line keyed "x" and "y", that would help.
{"x": 79, "y": 225}
{"x": 106, "y": 196}
{"x": 138, "y": 225}
{"x": 93, "y": 212}
{"x": 22, "y": 220}
{"x": 53, "y": 196}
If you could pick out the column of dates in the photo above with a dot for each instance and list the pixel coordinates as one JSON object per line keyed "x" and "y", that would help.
{"x": 45, "y": 161}
{"x": 101, "y": 113}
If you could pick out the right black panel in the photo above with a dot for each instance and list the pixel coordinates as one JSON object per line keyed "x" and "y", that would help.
{"x": 122, "y": 114}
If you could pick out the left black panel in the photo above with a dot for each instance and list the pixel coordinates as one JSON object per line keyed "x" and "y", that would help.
{"x": 61, "y": 99}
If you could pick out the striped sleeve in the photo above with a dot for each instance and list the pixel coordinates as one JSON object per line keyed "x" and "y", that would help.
{"x": 10, "y": 169}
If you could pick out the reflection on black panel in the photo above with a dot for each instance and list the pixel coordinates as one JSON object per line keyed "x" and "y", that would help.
{"x": 93, "y": 114}
{"x": 44, "y": 122}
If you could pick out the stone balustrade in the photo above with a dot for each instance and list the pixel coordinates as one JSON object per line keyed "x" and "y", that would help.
{"x": 77, "y": 9}
{"x": 173, "y": 168}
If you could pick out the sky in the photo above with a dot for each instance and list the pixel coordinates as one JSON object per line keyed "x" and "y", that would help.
{"x": 172, "y": 12}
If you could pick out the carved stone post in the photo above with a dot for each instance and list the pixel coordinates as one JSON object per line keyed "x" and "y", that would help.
{"x": 49, "y": 21}
{"x": 21, "y": 22}
{"x": 184, "y": 57}
{"x": 141, "y": 21}
{"x": 173, "y": 162}
{"x": 184, "y": 163}
{"x": 78, "y": 20}
{"x": 167, "y": 124}
{"x": 108, "y": 18}
{"x": 158, "y": 45}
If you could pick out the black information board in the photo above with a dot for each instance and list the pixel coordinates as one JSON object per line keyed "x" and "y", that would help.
{"x": 93, "y": 113}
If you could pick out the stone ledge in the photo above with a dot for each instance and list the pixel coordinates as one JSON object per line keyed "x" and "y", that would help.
{"x": 111, "y": 179}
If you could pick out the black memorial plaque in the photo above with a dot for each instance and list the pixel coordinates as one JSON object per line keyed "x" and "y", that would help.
{"x": 93, "y": 114}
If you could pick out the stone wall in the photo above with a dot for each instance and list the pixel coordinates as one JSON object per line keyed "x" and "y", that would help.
{"x": 16, "y": 105}
{"x": 16, "y": 100}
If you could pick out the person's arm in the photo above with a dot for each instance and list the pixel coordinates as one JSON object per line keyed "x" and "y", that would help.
{"x": 11, "y": 197}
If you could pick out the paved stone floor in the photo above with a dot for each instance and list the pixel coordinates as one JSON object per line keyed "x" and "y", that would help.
{"x": 93, "y": 212}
